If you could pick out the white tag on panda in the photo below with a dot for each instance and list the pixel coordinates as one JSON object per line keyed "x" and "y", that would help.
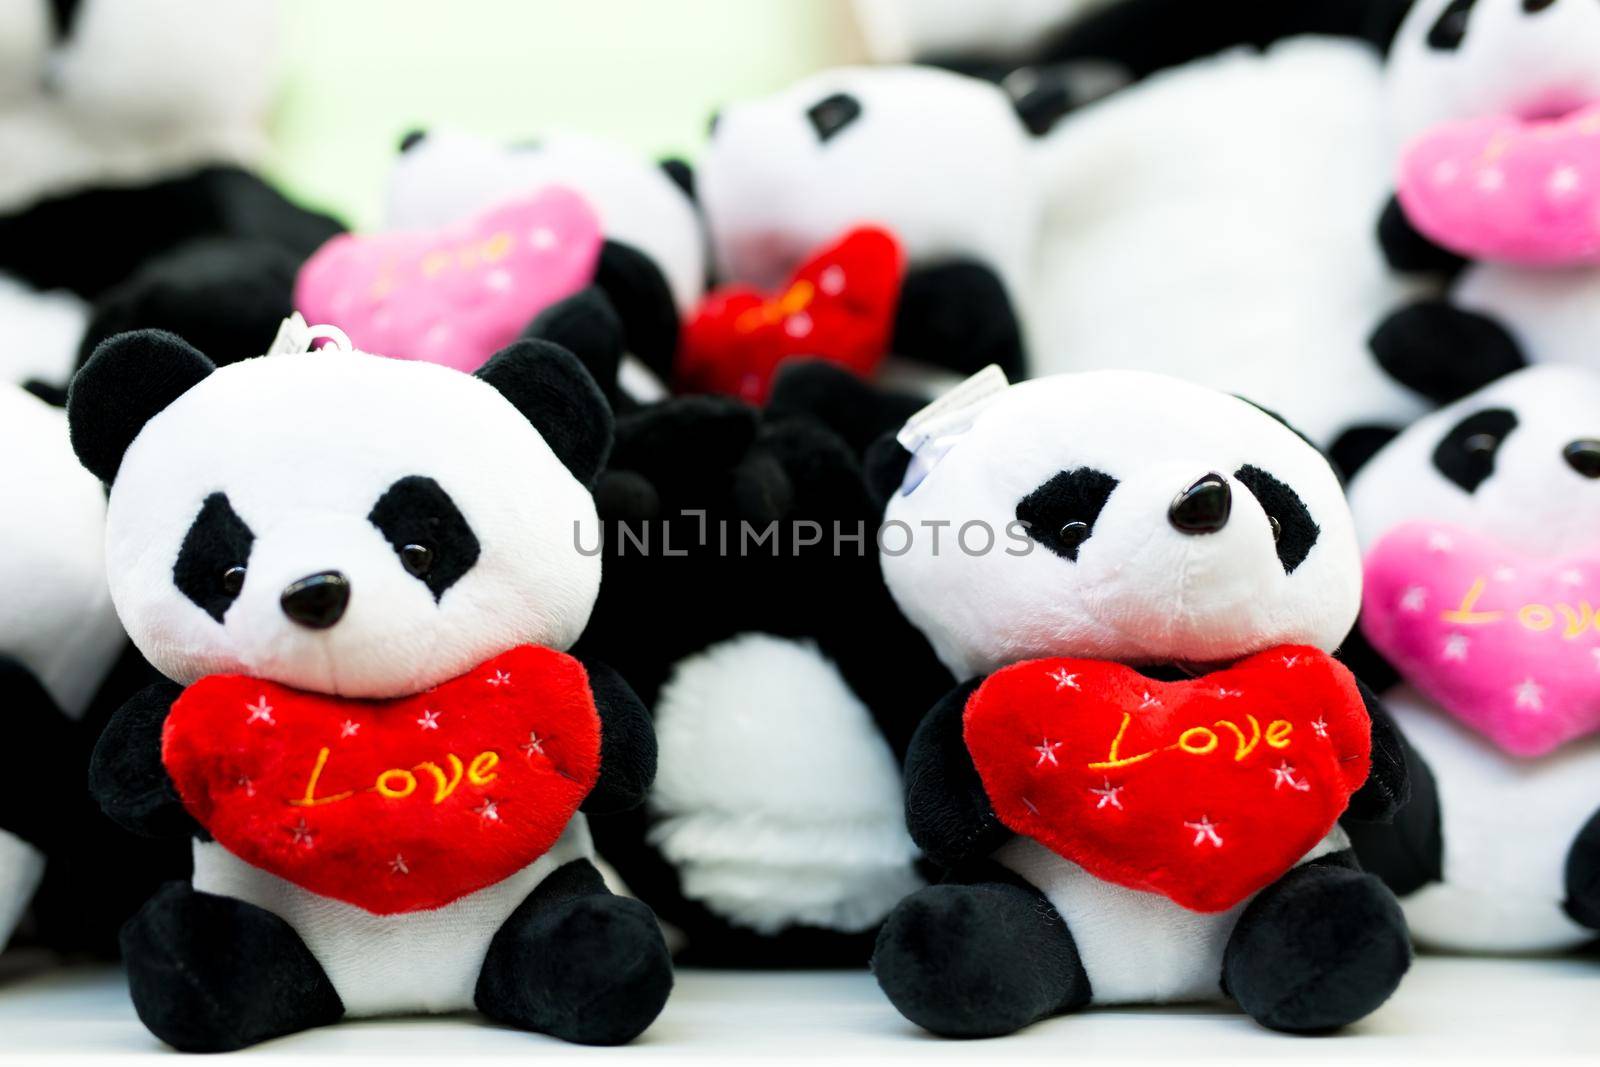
{"x": 294, "y": 335}
{"x": 933, "y": 431}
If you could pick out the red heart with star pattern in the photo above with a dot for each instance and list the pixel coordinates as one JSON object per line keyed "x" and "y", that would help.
{"x": 1204, "y": 791}
{"x": 390, "y": 805}
{"x": 838, "y": 306}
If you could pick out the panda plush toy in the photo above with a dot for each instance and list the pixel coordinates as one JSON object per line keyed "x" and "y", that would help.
{"x": 1479, "y": 529}
{"x": 1493, "y": 105}
{"x": 743, "y": 598}
{"x": 59, "y": 641}
{"x": 371, "y": 732}
{"x": 128, "y": 130}
{"x": 1137, "y": 786}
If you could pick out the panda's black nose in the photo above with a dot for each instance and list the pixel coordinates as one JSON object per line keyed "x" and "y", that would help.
{"x": 1583, "y": 456}
{"x": 1203, "y": 507}
{"x": 318, "y": 600}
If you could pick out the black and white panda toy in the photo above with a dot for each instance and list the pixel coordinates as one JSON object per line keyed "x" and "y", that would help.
{"x": 59, "y": 640}
{"x": 129, "y": 130}
{"x": 382, "y": 749}
{"x": 1493, "y": 104}
{"x": 1478, "y": 524}
{"x": 743, "y": 598}
{"x": 1119, "y": 546}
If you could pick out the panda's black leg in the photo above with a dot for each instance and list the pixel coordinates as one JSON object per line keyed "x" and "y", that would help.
{"x": 979, "y": 958}
{"x": 958, "y": 316}
{"x": 576, "y": 962}
{"x": 214, "y": 974}
{"x": 1318, "y": 949}
{"x": 1442, "y": 351}
{"x": 1583, "y": 875}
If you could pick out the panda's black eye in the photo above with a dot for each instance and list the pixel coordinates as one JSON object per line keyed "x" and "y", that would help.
{"x": 1583, "y": 456}
{"x": 417, "y": 559}
{"x": 1061, "y": 513}
{"x": 427, "y": 531}
{"x": 1450, "y": 29}
{"x": 1533, "y": 7}
{"x": 833, "y": 113}
{"x": 1467, "y": 453}
{"x": 210, "y": 567}
{"x": 1294, "y": 532}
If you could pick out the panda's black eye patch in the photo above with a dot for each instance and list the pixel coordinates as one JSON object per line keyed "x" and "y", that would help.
{"x": 1294, "y": 532}
{"x": 427, "y": 531}
{"x": 1061, "y": 513}
{"x": 1533, "y": 7}
{"x": 833, "y": 113}
{"x": 1467, "y": 453}
{"x": 210, "y": 569}
{"x": 1450, "y": 29}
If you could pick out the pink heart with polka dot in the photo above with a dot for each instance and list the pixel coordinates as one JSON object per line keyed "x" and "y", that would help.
{"x": 457, "y": 295}
{"x": 1507, "y": 643}
{"x": 1508, "y": 189}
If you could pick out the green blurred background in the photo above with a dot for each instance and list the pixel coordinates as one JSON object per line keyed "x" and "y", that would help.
{"x": 360, "y": 73}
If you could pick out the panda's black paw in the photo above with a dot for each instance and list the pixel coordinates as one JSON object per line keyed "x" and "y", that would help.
{"x": 214, "y": 974}
{"x": 575, "y": 962}
{"x": 978, "y": 960}
{"x": 1319, "y": 949}
{"x": 1583, "y": 875}
{"x": 1442, "y": 351}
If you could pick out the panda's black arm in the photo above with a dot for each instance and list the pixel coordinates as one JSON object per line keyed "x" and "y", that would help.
{"x": 1408, "y": 251}
{"x": 958, "y": 315}
{"x": 627, "y": 743}
{"x": 639, "y": 293}
{"x": 44, "y": 737}
{"x": 1442, "y": 351}
{"x": 947, "y": 810}
{"x": 1388, "y": 784}
{"x": 126, "y": 774}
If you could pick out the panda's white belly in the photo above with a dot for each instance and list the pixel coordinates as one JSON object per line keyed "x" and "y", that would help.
{"x": 1217, "y": 223}
{"x": 1554, "y": 315}
{"x": 382, "y": 964}
{"x": 1136, "y": 947}
{"x": 1507, "y": 826}
{"x": 777, "y": 798}
{"x": 21, "y": 870}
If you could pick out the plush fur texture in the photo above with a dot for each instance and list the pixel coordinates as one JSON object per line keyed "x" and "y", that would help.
{"x": 1482, "y": 857}
{"x": 46, "y": 328}
{"x": 269, "y": 540}
{"x": 1144, "y": 585}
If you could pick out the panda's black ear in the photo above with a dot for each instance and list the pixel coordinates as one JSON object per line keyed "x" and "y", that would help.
{"x": 554, "y": 392}
{"x": 130, "y": 379}
{"x": 681, "y": 174}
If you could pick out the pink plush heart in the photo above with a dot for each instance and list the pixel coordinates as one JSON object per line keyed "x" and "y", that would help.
{"x": 1508, "y": 643}
{"x": 457, "y": 295}
{"x": 1510, "y": 190}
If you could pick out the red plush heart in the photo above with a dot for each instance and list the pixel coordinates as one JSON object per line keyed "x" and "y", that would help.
{"x": 839, "y": 306}
{"x": 391, "y": 805}
{"x": 1204, "y": 791}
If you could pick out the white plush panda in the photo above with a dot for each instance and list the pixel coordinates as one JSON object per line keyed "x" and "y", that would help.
{"x": 47, "y": 328}
{"x": 902, "y": 31}
{"x": 381, "y": 748}
{"x": 1526, "y": 75}
{"x": 1082, "y": 546}
{"x": 653, "y": 264}
{"x": 1479, "y": 527}
{"x": 128, "y": 129}
{"x": 59, "y": 638}
{"x": 1195, "y": 224}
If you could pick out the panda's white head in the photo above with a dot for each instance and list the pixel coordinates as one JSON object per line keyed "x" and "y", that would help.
{"x": 941, "y": 160}
{"x": 341, "y": 522}
{"x": 1459, "y": 59}
{"x": 443, "y": 176}
{"x": 55, "y": 615}
{"x": 1517, "y": 461}
{"x": 1138, "y": 518}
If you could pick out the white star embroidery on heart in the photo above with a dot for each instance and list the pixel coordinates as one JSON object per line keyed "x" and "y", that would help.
{"x": 499, "y": 678}
{"x": 1064, "y": 680}
{"x": 1224, "y": 692}
{"x": 1321, "y": 727}
{"x": 1290, "y": 661}
{"x": 1283, "y": 775}
{"x": 260, "y": 711}
{"x": 350, "y": 728}
{"x": 1047, "y": 751}
{"x": 1455, "y": 648}
{"x": 1414, "y": 599}
{"x": 1595, "y": 652}
{"x": 534, "y": 744}
{"x": 247, "y": 785}
{"x": 1440, "y": 542}
{"x": 1505, "y": 574}
{"x": 429, "y": 720}
{"x": 1530, "y": 696}
{"x": 488, "y": 810}
{"x": 398, "y": 865}
{"x": 1205, "y": 830}
{"x": 302, "y": 834}
{"x": 1572, "y": 576}
{"x": 1108, "y": 795}
{"x": 1148, "y": 701}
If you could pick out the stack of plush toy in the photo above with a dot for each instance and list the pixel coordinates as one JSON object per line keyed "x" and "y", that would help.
{"x": 864, "y": 545}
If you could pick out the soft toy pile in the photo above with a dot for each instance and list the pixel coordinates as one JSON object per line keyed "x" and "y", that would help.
{"x": 987, "y": 517}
